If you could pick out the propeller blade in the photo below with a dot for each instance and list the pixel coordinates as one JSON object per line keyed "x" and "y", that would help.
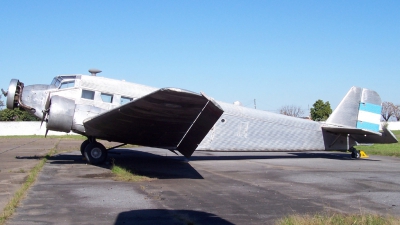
{"x": 5, "y": 93}
{"x": 41, "y": 123}
{"x": 46, "y": 110}
{"x": 45, "y": 113}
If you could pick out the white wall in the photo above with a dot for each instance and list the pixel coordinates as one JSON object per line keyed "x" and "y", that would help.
{"x": 394, "y": 125}
{"x": 26, "y": 128}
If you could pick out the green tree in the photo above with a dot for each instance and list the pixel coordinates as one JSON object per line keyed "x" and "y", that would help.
{"x": 1, "y": 103}
{"x": 16, "y": 115}
{"x": 320, "y": 110}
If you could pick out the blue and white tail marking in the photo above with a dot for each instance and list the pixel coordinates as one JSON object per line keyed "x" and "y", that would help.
{"x": 369, "y": 116}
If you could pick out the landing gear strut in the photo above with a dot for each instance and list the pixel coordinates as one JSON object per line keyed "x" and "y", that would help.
{"x": 355, "y": 154}
{"x": 94, "y": 152}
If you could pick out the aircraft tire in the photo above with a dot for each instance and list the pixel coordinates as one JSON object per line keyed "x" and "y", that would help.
{"x": 95, "y": 153}
{"x": 83, "y": 146}
{"x": 355, "y": 154}
{"x": 358, "y": 154}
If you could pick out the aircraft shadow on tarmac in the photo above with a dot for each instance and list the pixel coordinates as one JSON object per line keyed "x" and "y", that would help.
{"x": 139, "y": 162}
{"x": 164, "y": 216}
{"x": 284, "y": 155}
{"x": 177, "y": 167}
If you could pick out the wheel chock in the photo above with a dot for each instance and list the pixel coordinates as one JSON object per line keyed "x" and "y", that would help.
{"x": 363, "y": 154}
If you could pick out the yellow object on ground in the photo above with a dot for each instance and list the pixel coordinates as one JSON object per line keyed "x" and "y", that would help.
{"x": 363, "y": 154}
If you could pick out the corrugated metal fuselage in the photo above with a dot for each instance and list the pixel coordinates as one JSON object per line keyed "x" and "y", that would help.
{"x": 238, "y": 129}
{"x": 246, "y": 129}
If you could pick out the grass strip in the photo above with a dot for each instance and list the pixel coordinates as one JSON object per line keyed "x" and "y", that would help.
{"x": 338, "y": 219}
{"x": 123, "y": 174}
{"x": 383, "y": 149}
{"x": 21, "y": 192}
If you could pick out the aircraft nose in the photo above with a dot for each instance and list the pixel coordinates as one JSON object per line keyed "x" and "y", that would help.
{"x": 14, "y": 96}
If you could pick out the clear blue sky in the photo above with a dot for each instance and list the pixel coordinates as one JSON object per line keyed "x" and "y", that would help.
{"x": 277, "y": 52}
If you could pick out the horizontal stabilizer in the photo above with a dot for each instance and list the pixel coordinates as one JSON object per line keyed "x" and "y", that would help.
{"x": 386, "y": 137}
{"x": 349, "y": 130}
{"x": 364, "y": 136}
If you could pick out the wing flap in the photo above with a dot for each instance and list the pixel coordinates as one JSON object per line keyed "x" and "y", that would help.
{"x": 199, "y": 129}
{"x": 167, "y": 118}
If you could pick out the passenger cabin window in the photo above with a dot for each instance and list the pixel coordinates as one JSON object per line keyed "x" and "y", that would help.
{"x": 67, "y": 84}
{"x": 125, "y": 100}
{"x": 106, "y": 97}
{"x": 88, "y": 94}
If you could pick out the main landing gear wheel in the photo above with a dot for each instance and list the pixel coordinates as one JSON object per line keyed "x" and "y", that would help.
{"x": 83, "y": 146}
{"x": 95, "y": 153}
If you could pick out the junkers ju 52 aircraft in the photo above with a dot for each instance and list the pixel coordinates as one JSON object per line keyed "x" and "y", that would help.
{"x": 184, "y": 121}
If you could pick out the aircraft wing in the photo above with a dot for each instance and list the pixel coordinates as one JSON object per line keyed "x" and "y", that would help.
{"x": 169, "y": 118}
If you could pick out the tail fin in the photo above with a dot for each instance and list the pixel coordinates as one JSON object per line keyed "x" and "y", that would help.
{"x": 360, "y": 108}
{"x": 358, "y": 118}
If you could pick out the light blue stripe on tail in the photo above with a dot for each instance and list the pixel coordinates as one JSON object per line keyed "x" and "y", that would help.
{"x": 372, "y": 108}
{"x": 368, "y": 126}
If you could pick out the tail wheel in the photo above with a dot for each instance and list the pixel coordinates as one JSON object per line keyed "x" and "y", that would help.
{"x": 95, "y": 153}
{"x": 355, "y": 154}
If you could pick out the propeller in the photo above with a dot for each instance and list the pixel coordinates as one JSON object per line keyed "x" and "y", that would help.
{"x": 46, "y": 112}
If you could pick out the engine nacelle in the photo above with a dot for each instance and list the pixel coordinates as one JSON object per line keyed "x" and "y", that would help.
{"x": 61, "y": 114}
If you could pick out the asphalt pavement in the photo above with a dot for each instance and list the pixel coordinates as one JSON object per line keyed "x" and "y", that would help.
{"x": 210, "y": 188}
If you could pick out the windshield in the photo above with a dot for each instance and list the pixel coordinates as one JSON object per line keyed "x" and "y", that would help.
{"x": 67, "y": 84}
{"x": 65, "y": 81}
{"x": 56, "y": 81}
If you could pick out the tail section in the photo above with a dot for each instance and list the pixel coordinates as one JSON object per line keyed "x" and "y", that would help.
{"x": 357, "y": 120}
{"x": 360, "y": 108}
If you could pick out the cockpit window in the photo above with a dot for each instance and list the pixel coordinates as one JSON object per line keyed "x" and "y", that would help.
{"x": 66, "y": 78}
{"x": 106, "y": 97}
{"x": 88, "y": 94}
{"x": 56, "y": 82}
{"x": 67, "y": 84}
{"x": 125, "y": 100}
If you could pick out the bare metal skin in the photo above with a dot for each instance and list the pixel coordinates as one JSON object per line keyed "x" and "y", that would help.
{"x": 184, "y": 121}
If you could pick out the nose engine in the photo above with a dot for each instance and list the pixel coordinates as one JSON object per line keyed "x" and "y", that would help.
{"x": 14, "y": 95}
